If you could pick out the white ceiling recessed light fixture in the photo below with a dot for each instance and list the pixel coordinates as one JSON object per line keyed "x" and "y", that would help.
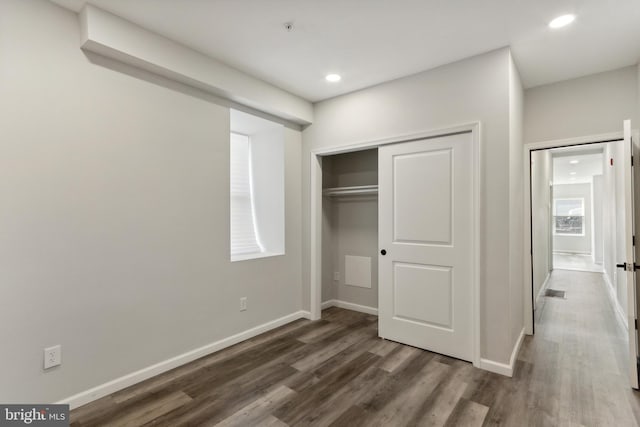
{"x": 562, "y": 21}
{"x": 574, "y": 162}
{"x": 333, "y": 78}
{"x": 572, "y": 173}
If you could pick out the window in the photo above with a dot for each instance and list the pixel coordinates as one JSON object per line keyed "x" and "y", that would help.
{"x": 568, "y": 217}
{"x": 256, "y": 187}
{"x": 243, "y": 227}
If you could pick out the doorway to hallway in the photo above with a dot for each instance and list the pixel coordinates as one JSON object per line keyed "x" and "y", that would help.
{"x": 582, "y": 224}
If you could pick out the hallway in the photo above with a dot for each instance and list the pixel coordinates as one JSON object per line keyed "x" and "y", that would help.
{"x": 578, "y": 262}
{"x": 573, "y": 371}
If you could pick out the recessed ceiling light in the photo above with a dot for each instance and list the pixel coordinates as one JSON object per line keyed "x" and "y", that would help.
{"x": 561, "y": 21}
{"x": 572, "y": 173}
{"x": 333, "y": 78}
{"x": 574, "y": 162}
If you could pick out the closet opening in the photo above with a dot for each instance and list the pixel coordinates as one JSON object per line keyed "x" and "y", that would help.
{"x": 350, "y": 231}
{"x": 388, "y": 231}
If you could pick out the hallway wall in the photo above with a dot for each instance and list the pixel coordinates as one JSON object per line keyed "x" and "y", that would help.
{"x": 598, "y": 225}
{"x": 587, "y": 105}
{"x": 541, "y": 177}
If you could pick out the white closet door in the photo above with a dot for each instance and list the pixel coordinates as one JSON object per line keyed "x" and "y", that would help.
{"x": 425, "y": 225}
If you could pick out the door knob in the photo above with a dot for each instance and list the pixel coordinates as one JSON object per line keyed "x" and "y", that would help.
{"x": 383, "y": 252}
{"x": 628, "y": 267}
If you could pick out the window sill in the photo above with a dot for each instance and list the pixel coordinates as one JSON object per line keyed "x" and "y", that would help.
{"x": 246, "y": 257}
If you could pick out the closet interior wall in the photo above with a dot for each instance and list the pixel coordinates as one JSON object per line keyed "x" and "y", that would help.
{"x": 350, "y": 230}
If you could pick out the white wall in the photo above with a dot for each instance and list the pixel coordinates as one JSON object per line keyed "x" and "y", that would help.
{"x": 472, "y": 89}
{"x": 114, "y": 215}
{"x": 588, "y": 105}
{"x": 541, "y": 176}
{"x": 575, "y": 244}
{"x": 516, "y": 200}
{"x": 598, "y": 225}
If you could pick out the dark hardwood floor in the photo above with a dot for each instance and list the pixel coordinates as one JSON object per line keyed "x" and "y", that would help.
{"x": 337, "y": 372}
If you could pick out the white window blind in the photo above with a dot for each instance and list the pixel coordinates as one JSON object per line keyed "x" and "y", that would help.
{"x": 243, "y": 228}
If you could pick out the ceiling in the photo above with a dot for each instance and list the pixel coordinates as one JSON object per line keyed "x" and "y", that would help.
{"x": 588, "y": 165}
{"x": 372, "y": 41}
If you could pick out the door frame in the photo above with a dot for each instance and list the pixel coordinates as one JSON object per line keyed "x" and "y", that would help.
{"x": 529, "y": 298}
{"x": 315, "y": 279}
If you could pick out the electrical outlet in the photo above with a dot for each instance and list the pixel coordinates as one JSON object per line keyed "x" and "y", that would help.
{"x": 52, "y": 356}
{"x": 336, "y": 276}
{"x": 243, "y": 303}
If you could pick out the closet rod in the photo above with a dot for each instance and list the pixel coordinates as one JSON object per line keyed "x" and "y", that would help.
{"x": 360, "y": 190}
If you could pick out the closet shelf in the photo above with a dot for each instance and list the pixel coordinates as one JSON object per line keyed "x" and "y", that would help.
{"x": 361, "y": 190}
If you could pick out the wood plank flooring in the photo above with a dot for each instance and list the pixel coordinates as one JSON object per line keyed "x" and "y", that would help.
{"x": 336, "y": 372}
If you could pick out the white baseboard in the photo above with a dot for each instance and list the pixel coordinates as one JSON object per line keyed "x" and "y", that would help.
{"x": 327, "y": 304}
{"x": 496, "y": 367}
{"x": 614, "y": 301}
{"x": 542, "y": 288}
{"x": 107, "y": 388}
{"x": 349, "y": 306}
{"x": 504, "y": 368}
{"x": 304, "y": 314}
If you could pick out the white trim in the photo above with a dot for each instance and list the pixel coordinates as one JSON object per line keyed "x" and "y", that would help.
{"x": 304, "y": 314}
{"x": 125, "y": 381}
{"x": 622, "y": 317}
{"x": 349, "y": 306}
{"x": 567, "y": 142}
{"x": 316, "y": 214}
{"x": 496, "y": 367}
{"x": 476, "y": 132}
{"x": 255, "y": 255}
{"x": 542, "y": 288}
{"x": 516, "y": 349}
{"x": 315, "y": 265}
{"x": 504, "y": 368}
{"x": 528, "y": 148}
{"x": 328, "y": 304}
{"x": 363, "y": 145}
